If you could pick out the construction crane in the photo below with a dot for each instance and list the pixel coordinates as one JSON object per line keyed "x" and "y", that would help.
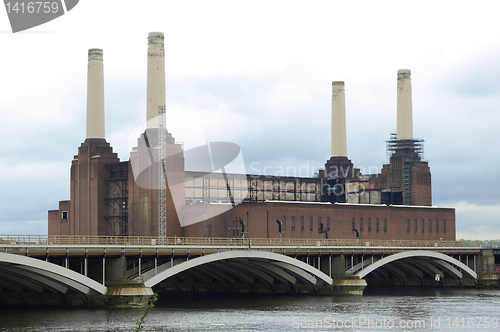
{"x": 162, "y": 175}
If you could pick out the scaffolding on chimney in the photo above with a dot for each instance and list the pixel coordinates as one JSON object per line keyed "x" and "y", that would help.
{"x": 410, "y": 151}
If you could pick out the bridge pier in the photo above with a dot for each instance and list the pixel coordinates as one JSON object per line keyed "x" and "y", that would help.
{"x": 348, "y": 285}
{"x": 120, "y": 290}
{"x": 128, "y": 294}
{"x": 487, "y": 276}
{"x": 343, "y": 284}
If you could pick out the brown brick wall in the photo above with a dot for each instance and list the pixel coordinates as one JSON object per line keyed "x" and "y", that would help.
{"x": 89, "y": 189}
{"x": 58, "y": 225}
{"x": 258, "y": 216}
{"x": 54, "y": 223}
{"x": 421, "y": 190}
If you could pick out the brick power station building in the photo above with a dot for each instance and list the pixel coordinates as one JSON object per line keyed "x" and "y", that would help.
{"x": 166, "y": 191}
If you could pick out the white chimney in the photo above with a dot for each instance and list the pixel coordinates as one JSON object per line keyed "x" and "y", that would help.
{"x": 339, "y": 146}
{"x": 405, "y": 119}
{"x": 95, "y": 95}
{"x": 156, "y": 77}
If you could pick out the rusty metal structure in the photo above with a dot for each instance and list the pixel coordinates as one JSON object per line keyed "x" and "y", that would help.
{"x": 118, "y": 196}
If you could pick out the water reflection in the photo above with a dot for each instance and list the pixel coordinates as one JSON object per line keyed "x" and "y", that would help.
{"x": 282, "y": 313}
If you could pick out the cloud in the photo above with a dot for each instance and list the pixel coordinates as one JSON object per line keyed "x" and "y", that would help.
{"x": 27, "y": 227}
{"x": 476, "y": 75}
{"x": 29, "y": 190}
{"x": 477, "y": 222}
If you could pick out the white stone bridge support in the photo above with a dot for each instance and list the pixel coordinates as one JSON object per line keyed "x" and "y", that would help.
{"x": 247, "y": 271}
{"x": 26, "y": 278}
{"x": 419, "y": 265}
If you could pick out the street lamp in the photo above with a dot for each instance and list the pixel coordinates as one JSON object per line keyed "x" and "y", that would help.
{"x": 357, "y": 234}
{"x": 280, "y": 225}
{"x": 243, "y": 226}
{"x": 204, "y": 225}
{"x": 322, "y": 230}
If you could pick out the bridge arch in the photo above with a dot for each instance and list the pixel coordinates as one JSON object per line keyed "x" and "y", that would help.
{"x": 20, "y": 273}
{"x": 250, "y": 267}
{"x": 424, "y": 259}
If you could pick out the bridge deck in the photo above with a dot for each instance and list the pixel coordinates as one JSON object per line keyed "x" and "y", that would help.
{"x": 204, "y": 241}
{"x": 148, "y": 246}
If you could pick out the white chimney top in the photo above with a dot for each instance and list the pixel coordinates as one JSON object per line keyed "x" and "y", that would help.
{"x": 95, "y": 94}
{"x": 339, "y": 144}
{"x": 404, "y": 106}
{"x": 156, "y": 78}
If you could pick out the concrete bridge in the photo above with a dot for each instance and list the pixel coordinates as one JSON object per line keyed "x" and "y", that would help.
{"x": 127, "y": 270}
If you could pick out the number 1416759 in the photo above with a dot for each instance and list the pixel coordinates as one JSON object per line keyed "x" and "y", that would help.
{"x": 23, "y": 7}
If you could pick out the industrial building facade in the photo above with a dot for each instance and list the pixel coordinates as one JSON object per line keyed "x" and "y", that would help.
{"x": 110, "y": 197}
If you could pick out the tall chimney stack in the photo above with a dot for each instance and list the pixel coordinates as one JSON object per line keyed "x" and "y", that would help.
{"x": 95, "y": 95}
{"x": 339, "y": 146}
{"x": 156, "y": 77}
{"x": 405, "y": 119}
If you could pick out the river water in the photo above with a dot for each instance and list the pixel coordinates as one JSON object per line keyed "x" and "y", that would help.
{"x": 403, "y": 310}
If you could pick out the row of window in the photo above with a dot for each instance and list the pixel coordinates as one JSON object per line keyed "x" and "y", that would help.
{"x": 320, "y": 224}
{"x": 368, "y": 224}
{"x": 422, "y": 227}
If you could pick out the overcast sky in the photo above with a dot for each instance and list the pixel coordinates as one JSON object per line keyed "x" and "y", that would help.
{"x": 259, "y": 73}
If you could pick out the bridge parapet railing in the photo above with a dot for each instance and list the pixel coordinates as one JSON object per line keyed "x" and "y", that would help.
{"x": 216, "y": 242}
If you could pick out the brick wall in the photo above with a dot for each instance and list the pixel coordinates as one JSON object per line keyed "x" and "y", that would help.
{"x": 260, "y": 219}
